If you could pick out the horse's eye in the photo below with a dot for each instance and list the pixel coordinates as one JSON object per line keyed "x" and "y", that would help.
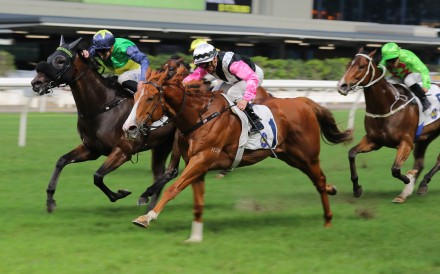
{"x": 150, "y": 98}
{"x": 361, "y": 67}
{"x": 59, "y": 62}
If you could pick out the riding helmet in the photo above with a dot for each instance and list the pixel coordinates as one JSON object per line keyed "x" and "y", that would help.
{"x": 204, "y": 53}
{"x": 196, "y": 43}
{"x": 390, "y": 51}
{"x": 103, "y": 39}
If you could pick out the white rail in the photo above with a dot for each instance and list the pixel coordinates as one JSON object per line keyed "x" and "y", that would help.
{"x": 17, "y": 92}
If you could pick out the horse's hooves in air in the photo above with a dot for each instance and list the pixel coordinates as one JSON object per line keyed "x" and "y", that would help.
{"x": 331, "y": 190}
{"x": 422, "y": 190}
{"x": 398, "y": 200}
{"x": 142, "y": 201}
{"x": 357, "y": 192}
{"x": 141, "y": 221}
{"x": 122, "y": 193}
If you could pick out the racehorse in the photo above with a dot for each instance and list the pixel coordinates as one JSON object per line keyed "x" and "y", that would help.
{"x": 102, "y": 109}
{"x": 210, "y": 137}
{"x": 391, "y": 120}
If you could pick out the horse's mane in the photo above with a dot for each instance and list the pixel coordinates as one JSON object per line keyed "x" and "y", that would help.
{"x": 110, "y": 81}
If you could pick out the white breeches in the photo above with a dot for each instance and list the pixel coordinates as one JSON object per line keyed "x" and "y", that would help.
{"x": 134, "y": 75}
{"x": 236, "y": 91}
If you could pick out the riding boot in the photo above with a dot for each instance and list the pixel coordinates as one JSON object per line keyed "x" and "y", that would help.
{"x": 130, "y": 87}
{"x": 419, "y": 92}
{"x": 254, "y": 120}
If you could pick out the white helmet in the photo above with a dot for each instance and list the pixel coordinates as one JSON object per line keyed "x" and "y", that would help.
{"x": 204, "y": 53}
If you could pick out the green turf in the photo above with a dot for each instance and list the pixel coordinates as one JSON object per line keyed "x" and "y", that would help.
{"x": 266, "y": 218}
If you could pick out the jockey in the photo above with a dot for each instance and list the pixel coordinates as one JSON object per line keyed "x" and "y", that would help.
{"x": 122, "y": 56}
{"x": 239, "y": 74}
{"x": 406, "y": 67}
{"x": 193, "y": 46}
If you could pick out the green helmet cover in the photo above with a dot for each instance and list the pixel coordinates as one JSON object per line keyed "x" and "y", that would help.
{"x": 390, "y": 51}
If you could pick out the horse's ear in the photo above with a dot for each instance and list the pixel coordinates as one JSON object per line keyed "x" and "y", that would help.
{"x": 62, "y": 40}
{"x": 148, "y": 73}
{"x": 74, "y": 43}
{"x": 180, "y": 60}
{"x": 372, "y": 53}
{"x": 361, "y": 49}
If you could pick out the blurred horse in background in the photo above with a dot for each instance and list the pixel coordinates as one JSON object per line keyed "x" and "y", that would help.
{"x": 391, "y": 120}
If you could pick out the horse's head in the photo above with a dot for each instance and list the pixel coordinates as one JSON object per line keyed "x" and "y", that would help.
{"x": 173, "y": 63}
{"x": 57, "y": 69}
{"x": 361, "y": 72}
{"x": 148, "y": 106}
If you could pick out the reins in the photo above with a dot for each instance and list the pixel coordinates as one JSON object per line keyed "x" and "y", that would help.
{"x": 374, "y": 81}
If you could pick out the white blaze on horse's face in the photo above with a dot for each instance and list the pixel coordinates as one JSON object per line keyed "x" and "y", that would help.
{"x": 131, "y": 120}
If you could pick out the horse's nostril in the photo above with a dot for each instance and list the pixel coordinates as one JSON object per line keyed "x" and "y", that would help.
{"x": 132, "y": 128}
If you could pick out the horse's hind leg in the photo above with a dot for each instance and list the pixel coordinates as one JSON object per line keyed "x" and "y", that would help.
{"x": 79, "y": 154}
{"x": 365, "y": 145}
{"x": 116, "y": 158}
{"x": 298, "y": 158}
{"x": 199, "y": 203}
{"x": 423, "y": 186}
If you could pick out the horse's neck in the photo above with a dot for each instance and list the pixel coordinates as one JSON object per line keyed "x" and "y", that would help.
{"x": 380, "y": 96}
{"x": 184, "y": 109}
{"x": 90, "y": 90}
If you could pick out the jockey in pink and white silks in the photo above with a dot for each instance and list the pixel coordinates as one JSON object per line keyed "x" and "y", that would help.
{"x": 239, "y": 74}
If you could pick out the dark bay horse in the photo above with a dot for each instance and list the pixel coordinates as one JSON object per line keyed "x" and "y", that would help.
{"x": 102, "y": 109}
{"x": 212, "y": 133}
{"x": 391, "y": 120}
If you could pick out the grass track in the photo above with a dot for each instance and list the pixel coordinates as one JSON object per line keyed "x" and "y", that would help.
{"x": 266, "y": 218}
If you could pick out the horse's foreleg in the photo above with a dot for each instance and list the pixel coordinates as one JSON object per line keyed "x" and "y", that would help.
{"x": 79, "y": 154}
{"x": 403, "y": 152}
{"x": 197, "y": 225}
{"x": 365, "y": 145}
{"x": 116, "y": 158}
{"x": 160, "y": 178}
{"x": 423, "y": 186}
{"x": 196, "y": 167}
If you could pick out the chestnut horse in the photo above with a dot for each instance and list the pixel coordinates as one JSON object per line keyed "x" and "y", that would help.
{"x": 211, "y": 137}
{"x": 391, "y": 120}
{"x": 102, "y": 109}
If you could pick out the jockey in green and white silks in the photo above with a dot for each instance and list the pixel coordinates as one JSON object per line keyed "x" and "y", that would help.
{"x": 407, "y": 68}
{"x": 121, "y": 56}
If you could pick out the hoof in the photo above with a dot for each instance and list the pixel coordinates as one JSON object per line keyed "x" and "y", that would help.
{"x": 357, "y": 192}
{"x": 398, "y": 200}
{"x": 422, "y": 190}
{"x": 142, "y": 201}
{"x": 122, "y": 193}
{"x": 50, "y": 206}
{"x": 141, "y": 221}
{"x": 193, "y": 240}
{"x": 331, "y": 190}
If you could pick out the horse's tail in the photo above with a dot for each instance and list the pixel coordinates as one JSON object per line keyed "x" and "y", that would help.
{"x": 329, "y": 128}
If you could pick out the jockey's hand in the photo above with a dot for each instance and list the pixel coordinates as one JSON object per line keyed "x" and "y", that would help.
{"x": 140, "y": 85}
{"x": 241, "y": 104}
{"x": 425, "y": 90}
{"x": 85, "y": 53}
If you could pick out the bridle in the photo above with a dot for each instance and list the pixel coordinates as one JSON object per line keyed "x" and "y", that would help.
{"x": 372, "y": 81}
{"x": 146, "y": 129}
{"x": 143, "y": 128}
